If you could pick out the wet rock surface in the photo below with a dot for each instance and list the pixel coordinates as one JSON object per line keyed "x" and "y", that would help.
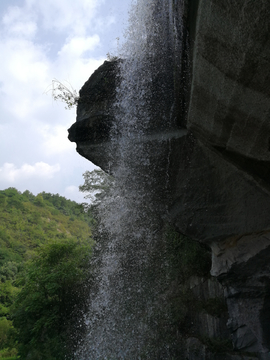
{"x": 219, "y": 163}
{"x": 229, "y": 115}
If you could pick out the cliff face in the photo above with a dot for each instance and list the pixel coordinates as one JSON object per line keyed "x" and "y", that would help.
{"x": 226, "y": 201}
{"x": 218, "y": 155}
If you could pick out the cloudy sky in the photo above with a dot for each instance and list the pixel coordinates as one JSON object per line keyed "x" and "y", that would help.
{"x": 39, "y": 41}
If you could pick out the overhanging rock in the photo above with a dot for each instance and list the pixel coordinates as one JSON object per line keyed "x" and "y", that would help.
{"x": 218, "y": 152}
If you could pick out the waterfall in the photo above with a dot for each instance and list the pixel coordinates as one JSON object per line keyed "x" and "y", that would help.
{"x": 128, "y": 317}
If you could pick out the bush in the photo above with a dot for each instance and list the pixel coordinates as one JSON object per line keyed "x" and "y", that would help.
{"x": 64, "y": 93}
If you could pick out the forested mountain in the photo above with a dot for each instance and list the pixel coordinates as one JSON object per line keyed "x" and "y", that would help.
{"x": 45, "y": 245}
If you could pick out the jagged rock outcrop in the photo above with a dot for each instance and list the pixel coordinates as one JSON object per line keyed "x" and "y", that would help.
{"x": 219, "y": 156}
{"x": 91, "y": 131}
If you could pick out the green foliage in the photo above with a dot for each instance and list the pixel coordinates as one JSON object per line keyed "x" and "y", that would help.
{"x": 64, "y": 93}
{"x": 8, "y": 293}
{"x": 39, "y": 200}
{"x": 96, "y": 185}
{"x": 7, "y": 334}
{"x": 8, "y": 271}
{"x": 58, "y": 227}
{"x": 48, "y": 312}
{"x": 9, "y": 354}
{"x": 27, "y": 221}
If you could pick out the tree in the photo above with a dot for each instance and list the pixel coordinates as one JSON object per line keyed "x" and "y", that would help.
{"x": 7, "y": 335}
{"x": 48, "y": 312}
{"x": 96, "y": 185}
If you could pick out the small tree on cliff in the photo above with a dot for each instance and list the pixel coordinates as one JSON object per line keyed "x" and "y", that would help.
{"x": 96, "y": 185}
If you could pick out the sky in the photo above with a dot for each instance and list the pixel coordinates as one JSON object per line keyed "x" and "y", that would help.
{"x": 41, "y": 41}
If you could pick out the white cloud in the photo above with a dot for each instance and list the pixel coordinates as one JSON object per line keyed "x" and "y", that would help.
{"x": 27, "y": 74}
{"x": 76, "y": 70}
{"x": 65, "y": 14}
{"x": 102, "y": 24}
{"x": 40, "y": 41}
{"x": 74, "y": 63}
{"x": 55, "y": 140}
{"x": 25, "y": 71}
{"x": 72, "y": 192}
{"x": 19, "y": 23}
{"x": 71, "y": 189}
{"x": 78, "y": 45}
{"x": 10, "y": 173}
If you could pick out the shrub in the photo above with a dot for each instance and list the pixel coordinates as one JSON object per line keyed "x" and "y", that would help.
{"x": 64, "y": 93}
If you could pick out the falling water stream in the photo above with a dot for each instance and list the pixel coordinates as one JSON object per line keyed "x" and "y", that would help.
{"x": 128, "y": 317}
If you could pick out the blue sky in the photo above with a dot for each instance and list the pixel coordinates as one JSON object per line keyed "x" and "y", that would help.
{"x": 40, "y": 41}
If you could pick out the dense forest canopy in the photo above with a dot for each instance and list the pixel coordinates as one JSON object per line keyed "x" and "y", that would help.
{"x": 45, "y": 247}
{"x": 27, "y": 221}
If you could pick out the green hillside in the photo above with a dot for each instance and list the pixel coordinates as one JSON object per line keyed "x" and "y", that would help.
{"x": 45, "y": 244}
{"x": 27, "y": 221}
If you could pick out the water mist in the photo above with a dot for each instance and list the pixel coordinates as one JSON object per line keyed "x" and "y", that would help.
{"x": 128, "y": 317}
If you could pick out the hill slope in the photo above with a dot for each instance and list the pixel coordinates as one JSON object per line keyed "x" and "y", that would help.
{"x": 27, "y": 221}
{"x": 30, "y": 224}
